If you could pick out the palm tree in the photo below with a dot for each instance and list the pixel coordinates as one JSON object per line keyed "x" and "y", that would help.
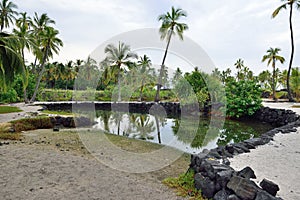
{"x": 39, "y": 25}
{"x": 169, "y": 26}
{"x": 118, "y": 57}
{"x": 11, "y": 62}
{"x": 290, "y": 4}
{"x": 265, "y": 78}
{"x": 7, "y": 13}
{"x": 239, "y": 65}
{"x": 144, "y": 72}
{"x": 49, "y": 43}
{"x": 26, "y": 41}
{"x": 272, "y": 56}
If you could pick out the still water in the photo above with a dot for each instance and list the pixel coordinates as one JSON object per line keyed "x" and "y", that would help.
{"x": 187, "y": 135}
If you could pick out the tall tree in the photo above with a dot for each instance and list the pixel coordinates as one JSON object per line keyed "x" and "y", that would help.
{"x": 26, "y": 41}
{"x": 119, "y": 57}
{"x": 144, "y": 73}
{"x": 11, "y": 62}
{"x": 39, "y": 24}
{"x": 289, "y": 4}
{"x": 50, "y": 44}
{"x": 272, "y": 56}
{"x": 170, "y": 25}
{"x": 7, "y": 13}
{"x": 239, "y": 65}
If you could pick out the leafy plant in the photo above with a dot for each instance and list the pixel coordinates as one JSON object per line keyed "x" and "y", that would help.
{"x": 243, "y": 98}
{"x": 184, "y": 185}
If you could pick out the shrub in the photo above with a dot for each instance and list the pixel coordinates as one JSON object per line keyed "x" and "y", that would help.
{"x": 10, "y": 96}
{"x": 243, "y": 98}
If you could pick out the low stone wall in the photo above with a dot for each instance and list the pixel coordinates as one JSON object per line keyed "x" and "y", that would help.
{"x": 70, "y": 122}
{"x": 275, "y": 117}
{"x": 172, "y": 109}
{"x": 215, "y": 177}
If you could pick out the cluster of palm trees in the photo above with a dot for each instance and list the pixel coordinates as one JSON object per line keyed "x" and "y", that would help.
{"x": 35, "y": 36}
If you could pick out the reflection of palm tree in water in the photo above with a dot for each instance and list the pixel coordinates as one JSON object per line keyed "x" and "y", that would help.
{"x": 105, "y": 116}
{"x": 144, "y": 126}
{"x": 160, "y": 121}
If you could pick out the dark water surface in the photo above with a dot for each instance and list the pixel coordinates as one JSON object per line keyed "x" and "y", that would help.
{"x": 191, "y": 136}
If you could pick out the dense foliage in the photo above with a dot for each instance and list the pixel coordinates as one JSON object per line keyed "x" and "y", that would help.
{"x": 243, "y": 98}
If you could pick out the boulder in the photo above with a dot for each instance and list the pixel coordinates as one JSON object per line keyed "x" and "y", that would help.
{"x": 247, "y": 173}
{"x": 263, "y": 195}
{"x": 243, "y": 188}
{"x": 221, "y": 195}
{"x": 205, "y": 185}
{"x": 223, "y": 177}
{"x": 269, "y": 186}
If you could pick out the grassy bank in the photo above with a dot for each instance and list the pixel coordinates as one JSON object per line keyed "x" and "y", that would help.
{"x": 9, "y": 109}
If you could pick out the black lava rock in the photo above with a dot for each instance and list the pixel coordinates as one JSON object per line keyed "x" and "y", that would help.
{"x": 269, "y": 186}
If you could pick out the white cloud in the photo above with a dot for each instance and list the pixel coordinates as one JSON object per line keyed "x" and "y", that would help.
{"x": 226, "y": 29}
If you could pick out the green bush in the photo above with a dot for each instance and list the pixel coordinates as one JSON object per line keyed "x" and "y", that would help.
{"x": 10, "y": 96}
{"x": 243, "y": 98}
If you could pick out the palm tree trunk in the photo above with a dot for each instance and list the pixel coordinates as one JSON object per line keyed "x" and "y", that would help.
{"x": 119, "y": 84}
{"x": 25, "y": 82}
{"x": 273, "y": 81}
{"x": 158, "y": 129}
{"x": 40, "y": 76}
{"x": 292, "y": 56}
{"x": 157, "y": 97}
{"x": 141, "y": 91}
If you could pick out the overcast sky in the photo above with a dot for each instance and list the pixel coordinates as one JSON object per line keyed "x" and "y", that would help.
{"x": 225, "y": 29}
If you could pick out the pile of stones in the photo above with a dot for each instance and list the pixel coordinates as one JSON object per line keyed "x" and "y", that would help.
{"x": 218, "y": 181}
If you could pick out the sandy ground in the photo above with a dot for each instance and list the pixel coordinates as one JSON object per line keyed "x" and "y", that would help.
{"x": 41, "y": 173}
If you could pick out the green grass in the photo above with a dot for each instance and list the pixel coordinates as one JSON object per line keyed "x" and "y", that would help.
{"x": 57, "y": 112}
{"x": 184, "y": 186}
{"x": 9, "y": 109}
{"x": 296, "y": 106}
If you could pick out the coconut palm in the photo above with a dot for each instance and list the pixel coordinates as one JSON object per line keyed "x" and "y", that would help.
{"x": 39, "y": 24}
{"x": 265, "y": 78}
{"x": 239, "y": 65}
{"x": 50, "y": 44}
{"x": 26, "y": 41}
{"x": 118, "y": 57}
{"x": 289, "y": 4}
{"x": 272, "y": 56}
{"x": 7, "y": 13}
{"x": 169, "y": 26}
{"x": 11, "y": 62}
{"x": 144, "y": 73}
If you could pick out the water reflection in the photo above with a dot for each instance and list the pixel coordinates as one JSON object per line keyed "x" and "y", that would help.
{"x": 189, "y": 135}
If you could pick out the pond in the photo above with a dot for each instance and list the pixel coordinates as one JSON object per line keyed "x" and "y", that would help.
{"x": 186, "y": 135}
